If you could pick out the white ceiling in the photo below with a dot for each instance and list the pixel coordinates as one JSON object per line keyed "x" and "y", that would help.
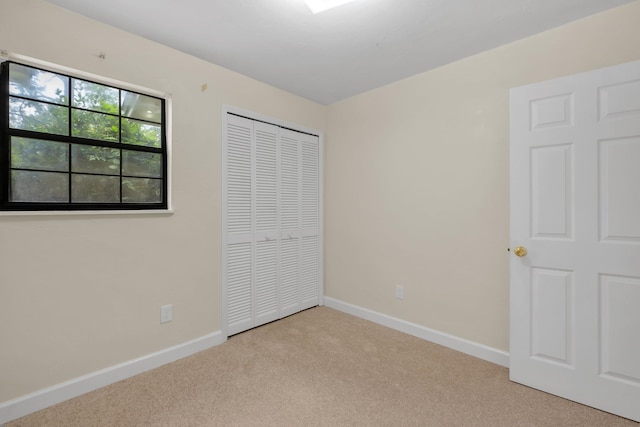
{"x": 341, "y": 52}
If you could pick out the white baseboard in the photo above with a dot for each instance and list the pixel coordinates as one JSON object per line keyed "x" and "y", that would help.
{"x": 471, "y": 348}
{"x": 27, "y": 404}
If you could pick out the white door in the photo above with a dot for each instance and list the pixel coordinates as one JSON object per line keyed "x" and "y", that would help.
{"x": 265, "y": 171}
{"x": 575, "y": 208}
{"x": 290, "y": 188}
{"x": 309, "y": 221}
{"x": 271, "y": 252}
{"x": 237, "y": 228}
{"x": 299, "y": 221}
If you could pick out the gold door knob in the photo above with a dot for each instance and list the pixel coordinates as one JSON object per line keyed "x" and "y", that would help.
{"x": 520, "y": 251}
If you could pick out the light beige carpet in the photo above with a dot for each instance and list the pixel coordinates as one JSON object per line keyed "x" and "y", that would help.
{"x": 322, "y": 367}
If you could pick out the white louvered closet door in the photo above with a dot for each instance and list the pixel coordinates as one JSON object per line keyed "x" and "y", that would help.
{"x": 310, "y": 221}
{"x": 290, "y": 190}
{"x": 271, "y": 255}
{"x": 238, "y": 224}
{"x": 266, "y": 224}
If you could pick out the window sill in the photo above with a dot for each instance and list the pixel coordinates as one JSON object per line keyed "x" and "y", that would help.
{"x": 154, "y": 212}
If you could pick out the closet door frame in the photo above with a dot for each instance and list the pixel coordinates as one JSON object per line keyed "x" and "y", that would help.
{"x": 226, "y": 110}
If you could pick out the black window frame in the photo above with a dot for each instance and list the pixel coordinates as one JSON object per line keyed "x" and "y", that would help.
{"x": 6, "y": 132}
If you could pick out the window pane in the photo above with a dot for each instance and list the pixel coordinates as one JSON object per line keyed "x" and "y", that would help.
{"x": 93, "y": 96}
{"x": 138, "y": 163}
{"x": 38, "y": 116}
{"x": 139, "y": 133}
{"x": 27, "y": 153}
{"x": 98, "y": 126}
{"x": 141, "y": 107}
{"x": 38, "y": 84}
{"x": 28, "y": 186}
{"x": 141, "y": 190}
{"x": 91, "y": 159}
{"x": 95, "y": 189}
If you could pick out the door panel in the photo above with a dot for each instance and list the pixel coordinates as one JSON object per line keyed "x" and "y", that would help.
{"x": 310, "y": 271}
{"x": 619, "y": 100}
{"x": 551, "y": 320}
{"x": 239, "y": 142}
{"x": 290, "y": 202}
{"x": 310, "y": 232}
{"x": 290, "y": 276}
{"x": 266, "y": 177}
{"x": 309, "y": 180}
{"x": 239, "y": 295}
{"x": 238, "y": 237}
{"x": 289, "y": 182}
{"x": 552, "y": 112}
{"x": 619, "y": 207}
{"x": 552, "y": 191}
{"x": 619, "y": 317}
{"x": 575, "y": 206}
{"x": 266, "y": 280}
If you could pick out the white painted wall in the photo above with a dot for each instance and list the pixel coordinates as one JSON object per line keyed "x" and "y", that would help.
{"x": 416, "y": 180}
{"x": 82, "y": 293}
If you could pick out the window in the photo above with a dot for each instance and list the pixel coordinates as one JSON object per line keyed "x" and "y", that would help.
{"x": 72, "y": 144}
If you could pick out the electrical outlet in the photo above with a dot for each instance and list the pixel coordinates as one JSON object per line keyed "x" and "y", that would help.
{"x": 399, "y": 292}
{"x": 166, "y": 313}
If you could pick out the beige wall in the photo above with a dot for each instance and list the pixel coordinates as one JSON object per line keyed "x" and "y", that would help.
{"x": 416, "y": 188}
{"x": 416, "y": 179}
{"x": 81, "y": 293}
